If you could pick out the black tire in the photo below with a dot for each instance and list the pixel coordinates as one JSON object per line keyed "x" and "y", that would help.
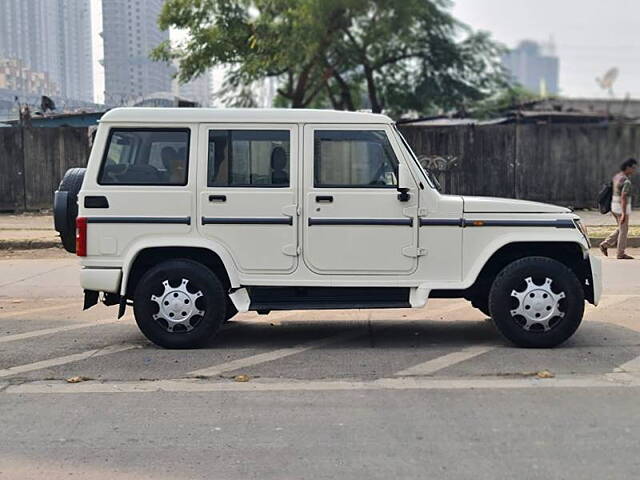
{"x": 200, "y": 279}
{"x": 65, "y": 207}
{"x": 232, "y": 311}
{"x": 538, "y": 335}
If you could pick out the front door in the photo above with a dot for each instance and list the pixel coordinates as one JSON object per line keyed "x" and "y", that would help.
{"x": 354, "y": 221}
{"x": 248, "y": 200}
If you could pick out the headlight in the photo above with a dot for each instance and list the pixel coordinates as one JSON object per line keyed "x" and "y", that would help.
{"x": 583, "y": 231}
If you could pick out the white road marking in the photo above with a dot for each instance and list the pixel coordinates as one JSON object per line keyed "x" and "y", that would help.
{"x": 54, "y": 362}
{"x": 631, "y": 366}
{"x": 38, "y": 310}
{"x": 432, "y": 366}
{"x": 49, "y": 331}
{"x": 275, "y": 354}
{"x": 264, "y": 385}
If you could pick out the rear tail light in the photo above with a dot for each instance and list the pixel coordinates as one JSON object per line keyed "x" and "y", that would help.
{"x": 81, "y": 236}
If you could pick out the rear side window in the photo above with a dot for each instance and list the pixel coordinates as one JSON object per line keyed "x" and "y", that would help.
{"x": 248, "y": 158}
{"x": 355, "y": 159}
{"x": 146, "y": 157}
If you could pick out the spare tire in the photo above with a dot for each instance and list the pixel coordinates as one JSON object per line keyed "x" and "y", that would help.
{"x": 65, "y": 207}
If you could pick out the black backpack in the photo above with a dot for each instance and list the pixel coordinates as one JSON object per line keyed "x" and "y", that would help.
{"x": 604, "y": 198}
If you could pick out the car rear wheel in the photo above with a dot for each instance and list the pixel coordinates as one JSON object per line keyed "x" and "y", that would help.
{"x": 536, "y": 302}
{"x": 179, "y": 304}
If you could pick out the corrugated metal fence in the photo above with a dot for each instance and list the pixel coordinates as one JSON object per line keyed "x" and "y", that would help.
{"x": 33, "y": 161}
{"x": 555, "y": 163}
{"x": 562, "y": 164}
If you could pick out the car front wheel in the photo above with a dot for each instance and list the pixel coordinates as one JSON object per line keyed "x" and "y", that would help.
{"x": 536, "y": 302}
{"x": 179, "y": 304}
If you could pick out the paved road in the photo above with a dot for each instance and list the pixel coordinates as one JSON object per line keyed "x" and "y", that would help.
{"x": 431, "y": 393}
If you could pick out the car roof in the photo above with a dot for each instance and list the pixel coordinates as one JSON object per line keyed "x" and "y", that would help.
{"x": 238, "y": 115}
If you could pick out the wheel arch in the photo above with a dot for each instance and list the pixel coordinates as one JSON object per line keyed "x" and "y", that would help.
{"x": 570, "y": 254}
{"x": 146, "y": 257}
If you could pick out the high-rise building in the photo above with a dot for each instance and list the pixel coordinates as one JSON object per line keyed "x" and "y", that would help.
{"x": 74, "y": 47}
{"x": 28, "y": 34}
{"x": 130, "y": 32}
{"x": 22, "y": 81}
{"x": 534, "y": 66}
{"x": 51, "y": 37}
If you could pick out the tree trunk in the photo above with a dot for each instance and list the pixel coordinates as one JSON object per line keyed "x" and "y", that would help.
{"x": 346, "y": 99}
{"x": 376, "y": 105}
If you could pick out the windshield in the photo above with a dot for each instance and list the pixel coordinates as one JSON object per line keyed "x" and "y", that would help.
{"x": 431, "y": 179}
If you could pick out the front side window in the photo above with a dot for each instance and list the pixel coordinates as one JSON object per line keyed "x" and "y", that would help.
{"x": 146, "y": 157}
{"x": 249, "y": 158}
{"x": 354, "y": 158}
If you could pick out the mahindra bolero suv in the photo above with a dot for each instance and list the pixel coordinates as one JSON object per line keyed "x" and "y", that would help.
{"x": 193, "y": 215}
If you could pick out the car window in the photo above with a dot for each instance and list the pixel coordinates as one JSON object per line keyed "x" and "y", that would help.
{"x": 354, "y": 158}
{"x": 146, "y": 157}
{"x": 249, "y": 158}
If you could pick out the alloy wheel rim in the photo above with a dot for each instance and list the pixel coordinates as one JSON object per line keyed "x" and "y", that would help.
{"x": 538, "y": 305}
{"x": 177, "y": 307}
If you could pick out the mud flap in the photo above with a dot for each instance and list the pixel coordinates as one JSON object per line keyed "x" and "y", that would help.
{"x": 90, "y": 299}
{"x": 122, "y": 307}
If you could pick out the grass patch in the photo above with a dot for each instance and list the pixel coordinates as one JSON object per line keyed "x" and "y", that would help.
{"x": 603, "y": 231}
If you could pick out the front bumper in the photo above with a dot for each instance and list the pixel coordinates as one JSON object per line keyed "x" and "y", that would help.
{"x": 596, "y": 278}
{"x": 101, "y": 279}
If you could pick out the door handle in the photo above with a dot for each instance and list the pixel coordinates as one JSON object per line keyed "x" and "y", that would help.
{"x": 217, "y": 198}
{"x": 324, "y": 198}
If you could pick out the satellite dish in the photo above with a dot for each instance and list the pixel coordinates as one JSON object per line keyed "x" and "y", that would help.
{"x": 609, "y": 78}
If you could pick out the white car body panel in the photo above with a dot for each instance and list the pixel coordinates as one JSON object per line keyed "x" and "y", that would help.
{"x": 596, "y": 273}
{"x": 441, "y": 250}
{"x": 506, "y": 205}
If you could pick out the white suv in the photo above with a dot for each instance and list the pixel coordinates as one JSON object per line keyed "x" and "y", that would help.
{"x": 192, "y": 215}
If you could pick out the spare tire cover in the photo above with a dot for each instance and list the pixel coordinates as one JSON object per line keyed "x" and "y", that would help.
{"x": 65, "y": 207}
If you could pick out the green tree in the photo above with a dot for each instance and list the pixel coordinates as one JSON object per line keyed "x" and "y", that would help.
{"x": 397, "y": 56}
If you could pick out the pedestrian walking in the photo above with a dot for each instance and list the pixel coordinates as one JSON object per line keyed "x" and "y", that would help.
{"x": 621, "y": 209}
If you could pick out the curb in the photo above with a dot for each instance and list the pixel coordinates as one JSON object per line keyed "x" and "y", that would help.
{"x": 29, "y": 244}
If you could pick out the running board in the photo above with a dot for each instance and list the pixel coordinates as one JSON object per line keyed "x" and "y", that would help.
{"x": 327, "y": 298}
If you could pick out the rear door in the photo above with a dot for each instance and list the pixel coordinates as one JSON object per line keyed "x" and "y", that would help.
{"x": 143, "y": 187}
{"x": 354, "y": 222}
{"x": 248, "y": 193}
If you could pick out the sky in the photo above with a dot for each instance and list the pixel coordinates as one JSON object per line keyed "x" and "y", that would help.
{"x": 591, "y": 36}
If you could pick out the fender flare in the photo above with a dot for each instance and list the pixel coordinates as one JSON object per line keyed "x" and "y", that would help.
{"x": 569, "y": 236}
{"x": 178, "y": 242}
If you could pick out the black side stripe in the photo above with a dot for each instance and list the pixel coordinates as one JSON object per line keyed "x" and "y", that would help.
{"x": 462, "y": 222}
{"x": 441, "y": 222}
{"x": 247, "y": 221}
{"x": 156, "y": 220}
{"x": 520, "y": 223}
{"x": 361, "y": 221}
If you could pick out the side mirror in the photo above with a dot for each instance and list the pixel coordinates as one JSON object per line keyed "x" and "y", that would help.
{"x": 404, "y": 183}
